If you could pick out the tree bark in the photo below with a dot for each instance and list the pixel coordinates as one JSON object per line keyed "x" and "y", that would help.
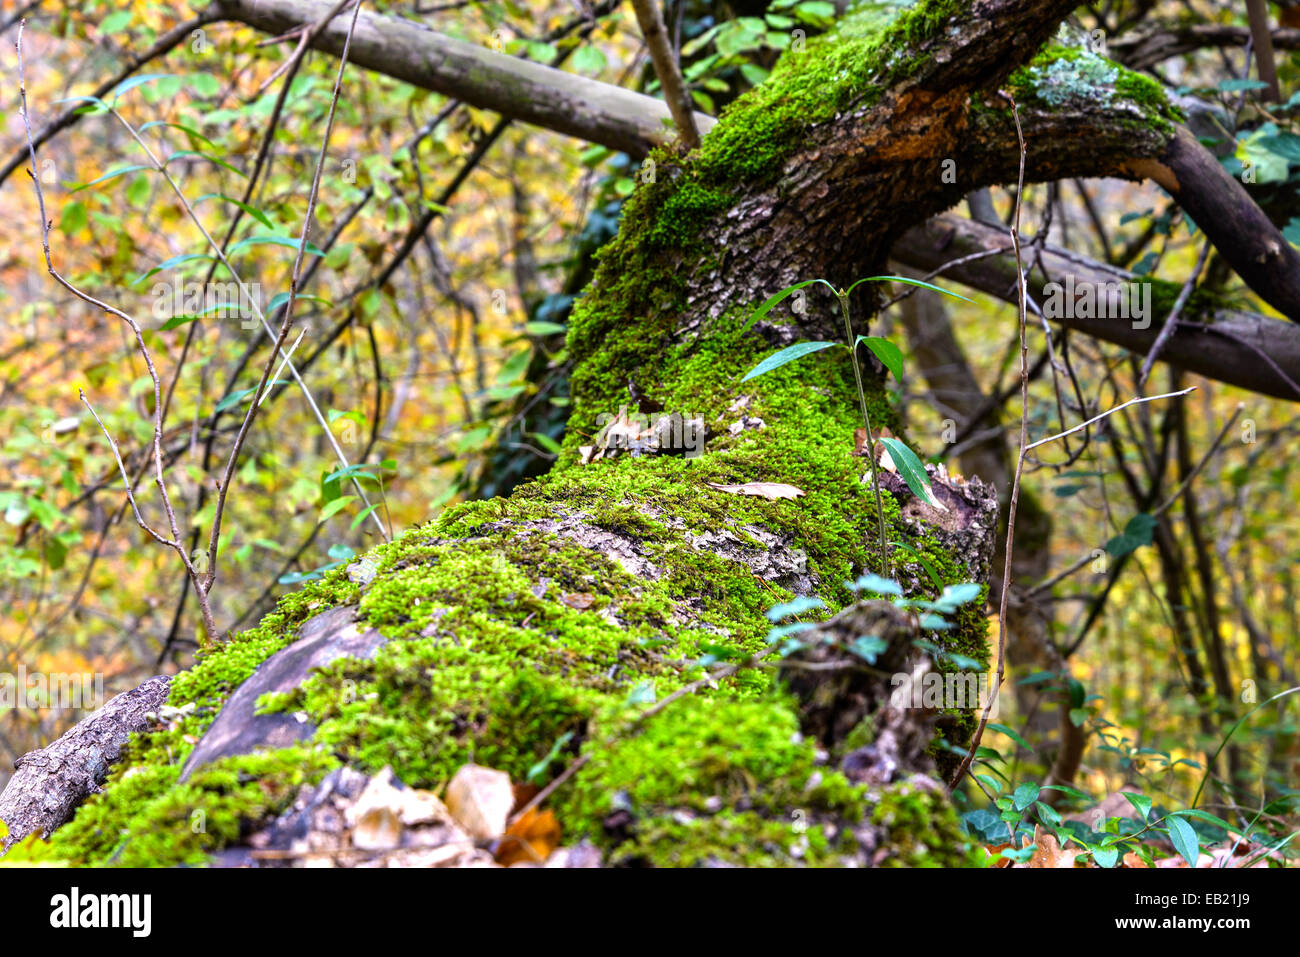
{"x": 1244, "y": 349}
{"x": 49, "y": 783}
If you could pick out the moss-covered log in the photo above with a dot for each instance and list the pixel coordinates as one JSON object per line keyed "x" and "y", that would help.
{"x": 533, "y": 630}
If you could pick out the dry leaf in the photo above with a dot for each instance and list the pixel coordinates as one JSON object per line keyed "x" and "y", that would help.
{"x": 579, "y": 600}
{"x": 480, "y": 800}
{"x": 531, "y": 839}
{"x": 770, "y": 490}
{"x": 1132, "y": 859}
{"x": 882, "y": 453}
{"x": 1048, "y": 853}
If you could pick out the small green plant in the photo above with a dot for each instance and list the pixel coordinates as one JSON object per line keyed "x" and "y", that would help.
{"x": 891, "y": 357}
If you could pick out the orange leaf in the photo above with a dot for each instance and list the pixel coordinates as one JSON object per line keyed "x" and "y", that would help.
{"x": 531, "y": 839}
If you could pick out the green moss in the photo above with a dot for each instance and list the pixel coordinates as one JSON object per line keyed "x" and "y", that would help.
{"x": 922, "y": 829}
{"x": 1071, "y": 77}
{"x": 146, "y": 819}
{"x": 509, "y": 644}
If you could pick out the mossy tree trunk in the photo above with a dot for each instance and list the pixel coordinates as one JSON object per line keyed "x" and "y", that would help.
{"x": 531, "y": 632}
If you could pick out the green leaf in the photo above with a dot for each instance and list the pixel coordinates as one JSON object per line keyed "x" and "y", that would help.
{"x": 890, "y": 356}
{"x": 588, "y": 59}
{"x": 170, "y": 264}
{"x": 1184, "y": 839}
{"x": 1105, "y": 856}
{"x": 909, "y": 282}
{"x": 913, "y": 472}
{"x": 336, "y": 506}
{"x": 788, "y": 354}
{"x": 1139, "y": 801}
{"x": 113, "y": 23}
{"x": 272, "y": 241}
{"x": 1025, "y": 795}
{"x": 1010, "y": 733}
{"x": 515, "y": 366}
{"x": 543, "y": 328}
{"x": 130, "y": 83}
{"x": 361, "y": 516}
{"x": 874, "y": 583}
{"x": 1286, "y": 145}
{"x": 280, "y": 298}
{"x": 798, "y": 606}
{"x": 74, "y": 218}
{"x": 777, "y": 298}
{"x": 202, "y": 154}
{"x": 1239, "y": 86}
{"x": 251, "y": 210}
{"x": 1137, "y": 533}
{"x": 235, "y": 398}
{"x": 351, "y": 472}
{"x": 189, "y": 131}
{"x": 112, "y": 174}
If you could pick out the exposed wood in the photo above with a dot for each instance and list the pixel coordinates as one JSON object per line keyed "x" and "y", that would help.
{"x": 50, "y": 783}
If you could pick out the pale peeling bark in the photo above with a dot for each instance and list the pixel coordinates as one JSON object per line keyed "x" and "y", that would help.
{"x": 49, "y": 783}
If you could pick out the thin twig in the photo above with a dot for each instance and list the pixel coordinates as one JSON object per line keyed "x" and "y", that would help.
{"x": 1020, "y": 459}
{"x": 1171, "y": 323}
{"x": 1108, "y": 412}
{"x": 175, "y": 541}
{"x": 1084, "y": 559}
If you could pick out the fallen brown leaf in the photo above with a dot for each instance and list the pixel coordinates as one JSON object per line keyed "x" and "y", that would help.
{"x": 531, "y": 839}
{"x": 1048, "y": 852}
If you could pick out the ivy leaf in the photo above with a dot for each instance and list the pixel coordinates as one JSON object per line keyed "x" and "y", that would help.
{"x": 1105, "y": 856}
{"x": 796, "y": 607}
{"x": 1139, "y": 801}
{"x": 874, "y": 583}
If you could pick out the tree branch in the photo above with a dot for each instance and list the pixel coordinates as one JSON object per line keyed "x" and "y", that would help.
{"x": 51, "y": 782}
{"x": 517, "y": 89}
{"x": 1235, "y": 347}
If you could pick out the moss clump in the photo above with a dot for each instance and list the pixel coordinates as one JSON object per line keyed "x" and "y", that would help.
{"x": 1062, "y": 77}
{"x": 146, "y": 818}
{"x": 922, "y": 829}
{"x": 618, "y": 328}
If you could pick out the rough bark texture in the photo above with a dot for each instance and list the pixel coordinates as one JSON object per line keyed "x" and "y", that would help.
{"x": 49, "y": 783}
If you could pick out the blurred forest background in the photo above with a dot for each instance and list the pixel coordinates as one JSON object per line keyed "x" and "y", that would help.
{"x": 449, "y": 246}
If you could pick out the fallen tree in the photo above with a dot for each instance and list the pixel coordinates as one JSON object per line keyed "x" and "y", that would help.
{"x": 531, "y": 633}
